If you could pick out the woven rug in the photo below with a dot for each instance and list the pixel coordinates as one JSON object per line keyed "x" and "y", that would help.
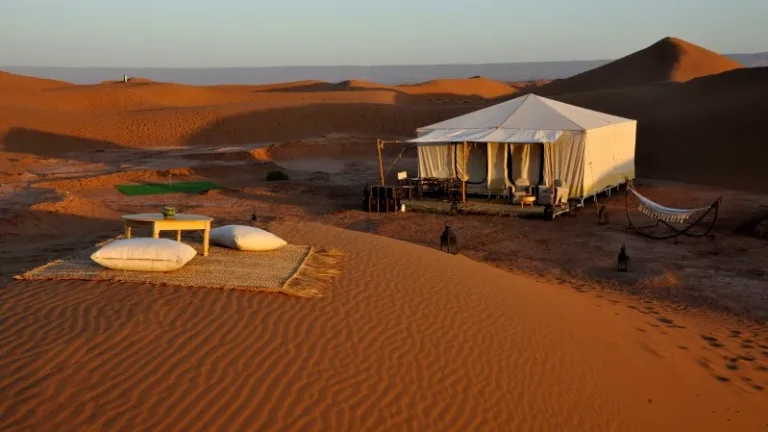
{"x": 293, "y": 269}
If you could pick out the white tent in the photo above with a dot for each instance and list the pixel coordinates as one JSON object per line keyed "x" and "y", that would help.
{"x": 532, "y": 137}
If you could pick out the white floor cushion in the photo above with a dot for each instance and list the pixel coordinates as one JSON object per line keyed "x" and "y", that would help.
{"x": 144, "y": 254}
{"x": 246, "y": 238}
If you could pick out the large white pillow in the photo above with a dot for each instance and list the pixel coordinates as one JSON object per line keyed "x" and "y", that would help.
{"x": 246, "y": 238}
{"x": 144, "y": 254}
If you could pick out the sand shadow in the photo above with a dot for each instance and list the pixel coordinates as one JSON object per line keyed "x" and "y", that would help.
{"x": 387, "y": 121}
{"x": 26, "y": 245}
{"x": 402, "y": 95}
{"x": 52, "y": 145}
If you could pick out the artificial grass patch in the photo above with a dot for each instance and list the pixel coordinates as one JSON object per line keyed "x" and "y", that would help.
{"x": 165, "y": 188}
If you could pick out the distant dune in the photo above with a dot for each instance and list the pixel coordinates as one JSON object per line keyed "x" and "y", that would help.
{"x": 386, "y": 74}
{"x": 698, "y": 112}
{"x": 479, "y": 87}
{"x": 10, "y": 81}
{"x": 669, "y": 59}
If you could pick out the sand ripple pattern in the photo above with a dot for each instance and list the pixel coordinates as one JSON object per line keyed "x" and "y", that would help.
{"x": 407, "y": 339}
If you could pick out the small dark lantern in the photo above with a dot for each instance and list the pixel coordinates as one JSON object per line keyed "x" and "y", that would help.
{"x": 448, "y": 239}
{"x": 623, "y": 260}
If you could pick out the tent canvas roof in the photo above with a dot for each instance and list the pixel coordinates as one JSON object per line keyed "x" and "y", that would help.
{"x": 528, "y": 118}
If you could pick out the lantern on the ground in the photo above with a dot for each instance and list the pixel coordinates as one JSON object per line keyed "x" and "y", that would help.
{"x": 623, "y": 260}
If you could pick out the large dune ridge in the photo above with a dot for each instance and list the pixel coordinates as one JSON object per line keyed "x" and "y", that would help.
{"x": 148, "y": 114}
{"x": 408, "y": 338}
{"x": 701, "y": 131}
{"x": 670, "y": 59}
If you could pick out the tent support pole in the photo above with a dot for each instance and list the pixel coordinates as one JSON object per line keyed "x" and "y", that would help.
{"x": 379, "y": 145}
{"x": 464, "y": 174}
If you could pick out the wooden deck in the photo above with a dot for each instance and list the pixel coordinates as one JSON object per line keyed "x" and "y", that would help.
{"x": 480, "y": 207}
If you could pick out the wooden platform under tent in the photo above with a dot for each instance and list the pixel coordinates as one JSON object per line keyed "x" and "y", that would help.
{"x": 482, "y": 206}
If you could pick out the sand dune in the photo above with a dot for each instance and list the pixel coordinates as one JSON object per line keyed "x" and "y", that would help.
{"x": 701, "y": 131}
{"x": 669, "y": 59}
{"x": 682, "y": 128}
{"x": 9, "y": 81}
{"x": 408, "y": 339}
{"x": 476, "y": 86}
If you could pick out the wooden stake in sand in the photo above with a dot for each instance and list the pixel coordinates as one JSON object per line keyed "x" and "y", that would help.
{"x": 464, "y": 175}
{"x": 379, "y": 145}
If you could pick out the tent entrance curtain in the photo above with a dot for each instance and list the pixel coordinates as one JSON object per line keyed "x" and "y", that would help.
{"x": 477, "y": 163}
{"x": 526, "y": 161}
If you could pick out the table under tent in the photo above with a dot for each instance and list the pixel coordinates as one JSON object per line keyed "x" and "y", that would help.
{"x": 521, "y": 148}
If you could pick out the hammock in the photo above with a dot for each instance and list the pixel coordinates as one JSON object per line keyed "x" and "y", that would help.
{"x": 659, "y": 212}
{"x": 665, "y": 215}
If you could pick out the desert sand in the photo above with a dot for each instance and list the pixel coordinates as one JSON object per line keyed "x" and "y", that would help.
{"x": 529, "y": 328}
{"x": 407, "y": 339}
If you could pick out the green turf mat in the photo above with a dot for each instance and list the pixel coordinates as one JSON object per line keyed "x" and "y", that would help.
{"x": 165, "y": 188}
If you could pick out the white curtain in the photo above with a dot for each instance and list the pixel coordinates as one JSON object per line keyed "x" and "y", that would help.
{"x": 497, "y": 168}
{"x": 435, "y": 161}
{"x": 526, "y": 161}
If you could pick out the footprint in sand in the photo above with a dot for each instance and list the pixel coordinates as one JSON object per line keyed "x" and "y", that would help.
{"x": 713, "y": 341}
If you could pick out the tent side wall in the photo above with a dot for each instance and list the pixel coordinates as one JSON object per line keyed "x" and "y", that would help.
{"x": 609, "y": 156}
{"x": 567, "y": 156}
{"x": 435, "y": 160}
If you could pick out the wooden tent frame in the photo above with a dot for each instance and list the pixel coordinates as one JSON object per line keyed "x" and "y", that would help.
{"x": 676, "y": 232}
{"x": 465, "y": 151}
{"x": 380, "y": 146}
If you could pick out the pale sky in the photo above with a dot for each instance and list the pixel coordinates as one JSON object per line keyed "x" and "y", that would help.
{"x": 224, "y": 33}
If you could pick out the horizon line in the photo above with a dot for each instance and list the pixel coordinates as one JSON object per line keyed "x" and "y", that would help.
{"x": 340, "y": 65}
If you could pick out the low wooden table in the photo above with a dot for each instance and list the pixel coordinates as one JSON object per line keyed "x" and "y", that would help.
{"x": 180, "y": 222}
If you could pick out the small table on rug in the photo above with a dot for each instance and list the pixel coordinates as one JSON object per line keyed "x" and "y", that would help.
{"x": 180, "y": 222}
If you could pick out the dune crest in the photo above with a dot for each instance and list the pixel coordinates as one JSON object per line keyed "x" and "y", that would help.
{"x": 670, "y": 59}
{"x": 9, "y": 81}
